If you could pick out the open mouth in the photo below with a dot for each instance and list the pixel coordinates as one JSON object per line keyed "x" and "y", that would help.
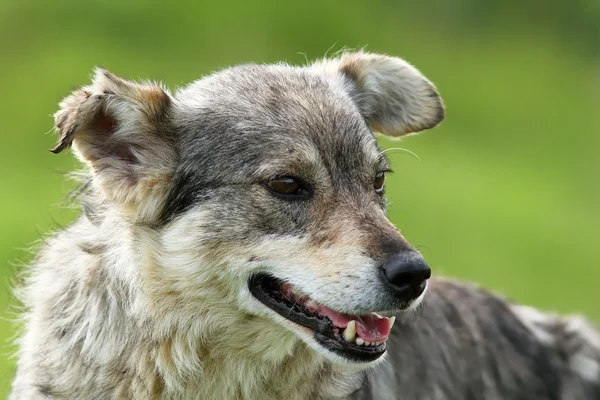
{"x": 359, "y": 338}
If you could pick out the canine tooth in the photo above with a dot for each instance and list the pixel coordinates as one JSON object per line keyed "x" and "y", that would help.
{"x": 359, "y": 341}
{"x": 392, "y": 320}
{"x": 350, "y": 331}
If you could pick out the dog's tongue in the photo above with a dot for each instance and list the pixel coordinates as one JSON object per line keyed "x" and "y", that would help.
{"x": 371, "y": 327}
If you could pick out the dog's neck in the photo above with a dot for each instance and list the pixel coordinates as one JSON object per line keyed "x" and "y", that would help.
{"x": 160, "y": 345}
{"x": 233, "y": 373}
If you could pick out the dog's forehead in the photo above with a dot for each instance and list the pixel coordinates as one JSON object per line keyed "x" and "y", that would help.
{"x": 280, "y": 107}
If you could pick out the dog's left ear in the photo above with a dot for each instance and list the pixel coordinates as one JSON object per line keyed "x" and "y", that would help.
{"x": 121, "y": 130}
{"x": 393, "y": 95}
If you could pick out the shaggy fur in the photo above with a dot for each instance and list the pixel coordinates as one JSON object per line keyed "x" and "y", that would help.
{"x": 146, "y": 295}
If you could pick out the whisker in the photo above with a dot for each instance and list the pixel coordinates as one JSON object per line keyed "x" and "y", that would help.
{"x": 403, "y": 150}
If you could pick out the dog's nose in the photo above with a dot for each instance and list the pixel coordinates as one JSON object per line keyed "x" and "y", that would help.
{"x": 406, "y": 274}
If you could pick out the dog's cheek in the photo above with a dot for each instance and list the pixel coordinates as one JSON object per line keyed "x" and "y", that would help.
{"x": 234, "y": 220}
{"x": 247, "y": 218}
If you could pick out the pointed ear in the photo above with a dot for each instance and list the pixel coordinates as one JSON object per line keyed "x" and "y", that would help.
{"x": 120, "y": 129}
{"x": 392, "y": 94}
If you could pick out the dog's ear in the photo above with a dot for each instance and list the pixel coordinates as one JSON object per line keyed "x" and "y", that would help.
{"x": 120, "y": 129}
{"x": 393, "y": 95}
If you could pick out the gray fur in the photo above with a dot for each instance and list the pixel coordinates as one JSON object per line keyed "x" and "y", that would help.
{"x": 469, "y": 344}
{"x": 146, "y": 295}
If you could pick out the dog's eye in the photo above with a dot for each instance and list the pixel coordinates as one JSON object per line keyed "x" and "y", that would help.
{"x": 379, "y": 182}
{"x": 288, "y": 187}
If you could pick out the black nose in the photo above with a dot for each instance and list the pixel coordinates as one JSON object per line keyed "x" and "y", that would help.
{"x": 406, "y": 274}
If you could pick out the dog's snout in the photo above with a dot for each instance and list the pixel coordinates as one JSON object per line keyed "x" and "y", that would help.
{"x": 406, "y": 274}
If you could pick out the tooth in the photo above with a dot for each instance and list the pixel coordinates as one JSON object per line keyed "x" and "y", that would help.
{"x": 312, "y": 305}
{"x": 367, "y": 343}
{"x": 359, "y": 341}
{"x": 350, "y": 331}
{"x": 392, "y": 320}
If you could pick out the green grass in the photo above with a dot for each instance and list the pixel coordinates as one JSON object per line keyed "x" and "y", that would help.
{"x": 506, "y": 191}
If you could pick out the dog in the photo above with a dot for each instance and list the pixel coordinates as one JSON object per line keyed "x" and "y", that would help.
{"x": 233, "y": 244}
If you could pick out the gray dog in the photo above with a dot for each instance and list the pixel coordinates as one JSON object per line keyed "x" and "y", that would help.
{"x": 233, "y": 245}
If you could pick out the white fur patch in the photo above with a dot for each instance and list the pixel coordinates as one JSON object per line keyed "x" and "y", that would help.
{"x": 585, "y": 330}
{"x": 535, "y": 321}
{"x": 586, "y": 367}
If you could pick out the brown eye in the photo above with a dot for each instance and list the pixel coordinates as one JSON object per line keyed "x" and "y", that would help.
{"x": 379, "y": 182}
{"x": 288, "y": 187}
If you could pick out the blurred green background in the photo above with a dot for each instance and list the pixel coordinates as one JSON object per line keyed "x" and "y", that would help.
{"x": 506, "y": 192}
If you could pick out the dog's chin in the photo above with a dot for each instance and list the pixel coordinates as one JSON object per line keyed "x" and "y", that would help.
{"x": 341, "y": 338}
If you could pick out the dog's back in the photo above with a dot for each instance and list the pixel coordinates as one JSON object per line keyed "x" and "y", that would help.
{"x": 468, "y": 344}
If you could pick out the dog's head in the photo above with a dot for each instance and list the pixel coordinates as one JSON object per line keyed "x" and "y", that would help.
{"x": 261, "y": 189}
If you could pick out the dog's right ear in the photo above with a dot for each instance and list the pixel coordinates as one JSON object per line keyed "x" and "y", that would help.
{"x": 120, "y": 129}
{"x": 394, "y": 97}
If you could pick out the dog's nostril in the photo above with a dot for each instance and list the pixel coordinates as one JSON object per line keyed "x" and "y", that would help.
{"x": 405, "y": 271}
